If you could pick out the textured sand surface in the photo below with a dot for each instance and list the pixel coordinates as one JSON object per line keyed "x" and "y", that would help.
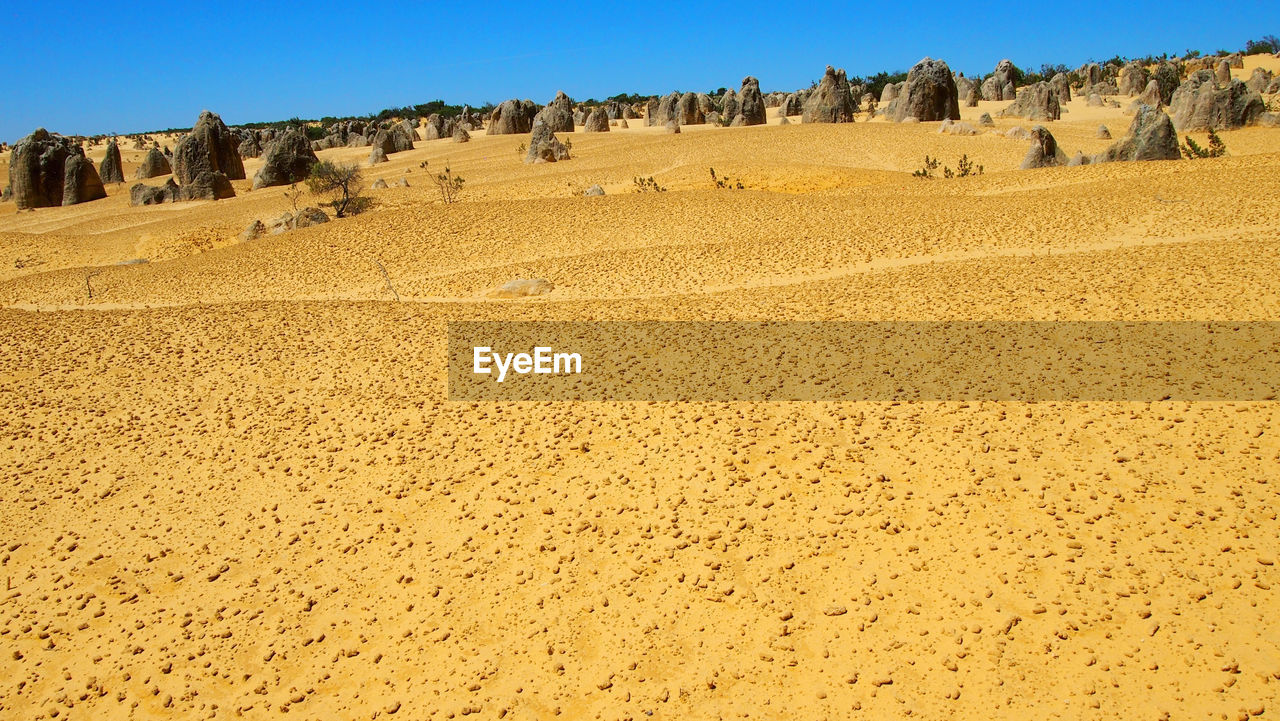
{"x": 231, "y": 485}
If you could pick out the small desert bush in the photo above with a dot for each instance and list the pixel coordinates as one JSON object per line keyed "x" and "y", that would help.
{"x": 1192, "y": 150}
{"x": 342, "y": 183}
{"x": 647, "y": 185}
{"x": 724, "y": 182}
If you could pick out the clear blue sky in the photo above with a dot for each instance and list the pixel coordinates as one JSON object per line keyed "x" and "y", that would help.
{"x": 98, "y": 67}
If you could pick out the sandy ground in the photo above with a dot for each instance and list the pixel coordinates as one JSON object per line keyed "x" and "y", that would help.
{"x": 232, "y": 485}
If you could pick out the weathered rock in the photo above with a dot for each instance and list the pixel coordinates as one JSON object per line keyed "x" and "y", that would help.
{"x": 951, "y": 127}
{"x": 1150, "y": 96}
{"x": 1223, "y": 73}
{"x": 1006, "y": 79}
{"x": 750, "y": 102}
{"x": 309, "y": 216}
{"x": 460, "y": 134}
{"x": 1078, "y": 159}
{"x": 249, "y": 147}
{"x": 154, "y": 165}
{"x": 255, "y": 230}
{"x": 544, "y": 147}
{"x": 792, "y": 104}
{"x": 209, "y": 148}
{"x": 889, "y": 93}
{"x": 357, "y": 141}
{"x": 81, "y": 182}
{"x": 404, "y": 182}
{"x": 784, "y": 121}
{"x": 1063, "y": 87}
{"x": 705, "y": 103}
{"x": 433, "y": 127}
{"x": 688, "y": 111}
{"x": 1133, "y": 78}
{"x": 651, "y": 112}
{"x": 510, "y": 118}
{"x": 622, "y": 123}
{"x": 1094, "y": 100}
{"x": 991, "y": 89}
{"x": 964, "y": 86}
{"x": 558, "y": 114}
{"x": 1035, "y": 102}
{"x": 1169, "y": 76}
{"x": 208, "y": 185}
{"x": 1151, "y": 137}
{"x": 1102, "y": 133}
{"x": 728, "y": 104}
{"x": 379, "y": 184}
{"x": 48, "y": 170}
{"x": 668, "y": 110}
{"x": 112, "y": 170}
{"x": 673, "y": 127}
{"x": 1017, "y": 132}
{"x": 143, "y": 194}
{"x": 1044, "y": 151}
{"x": 971, "y": 100}
{"x": 523, "y": 287}
{"x": 1259, "y": 81}
{"x": 1202, "y": 104}
{"x": 985, "y": 120}
{"x": 1092, "y": 74}
{"x": 713, "y": 118}
{"x": 930, "y": 95}
{"x": 597, "y": 121}
{"x": 594, "y": 190}
{"x": 831, "y": 101}
{"x": 377, "y": 155}
{"x": 288, "y": 160}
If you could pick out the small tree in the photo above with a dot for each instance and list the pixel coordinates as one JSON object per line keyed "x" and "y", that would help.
{"x": 343, "y": 183}
{"x": 450, "y": 185}
{"x": 1192, "y": 150}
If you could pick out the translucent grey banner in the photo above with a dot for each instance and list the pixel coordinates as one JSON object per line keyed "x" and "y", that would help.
{"x": 870, "y": 361}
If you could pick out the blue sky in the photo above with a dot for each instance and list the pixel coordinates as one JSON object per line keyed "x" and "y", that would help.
{"x": 105, "y": 67}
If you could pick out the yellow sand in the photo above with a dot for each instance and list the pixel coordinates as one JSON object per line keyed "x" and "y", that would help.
{"x": 232, "y": 485}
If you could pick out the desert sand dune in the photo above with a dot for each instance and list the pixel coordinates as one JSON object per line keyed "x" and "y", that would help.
{"x": 233, "y": 486}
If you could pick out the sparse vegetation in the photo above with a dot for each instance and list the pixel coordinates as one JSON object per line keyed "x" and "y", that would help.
{"x": 450, "y": 185}
{"x": 293, "y": 195}
{"x": 343, "y": 183}
{"x": 930, "y": 165}
{"x": 724, "y": 182}
{"x": 522, "y": 149}
{"x": 647, "y": 185}
{"x": 1191, "y": 150}
{"x": 964, "y": 168}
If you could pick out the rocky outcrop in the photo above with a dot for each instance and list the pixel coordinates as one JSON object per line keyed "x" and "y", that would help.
{"x": 597, "y": 121}
{"x": 208, "y": 185}
{"x": 112, "y": 170}
{"x": 249, "y": 146}
{"x": 48, "y": 170}
{"x": 1035, "y": 102}
{"x": 750, "y": 102}
{"x": 1044, "y": 151}
{"x": 1151, "y": 137}
{"x": 288, "y": 160}
{"x": 1223, "y": 73}
{"x": 792, "y": 104}
{"x": 1201, "y": 103}
{"x": 80, "y": 181}
{"x": 558, "y": 114}
{"x": 831, "y": 101}
{"x": 209, "y": 148}
{"x": 1150, "y": 96}
{"x": 512, "y": 117}
{"x": 689, "y": 111}
{"x": 143, "y": 194}
{"x": 1005, "y": 75}
{"x": 1259, "y": 81}
{"x": 930, "y": 94}
{"x": 154, "y": 165}
{"x": 1062, "y": 87}
{"x": 667, "y": 111}
{"x": 1169, "y": 76}
{"x": 1133, "y": 78}
{"x": 433, "y": 127}
{"x": 460, "y": 134}
{"x": 544, "y": 147}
